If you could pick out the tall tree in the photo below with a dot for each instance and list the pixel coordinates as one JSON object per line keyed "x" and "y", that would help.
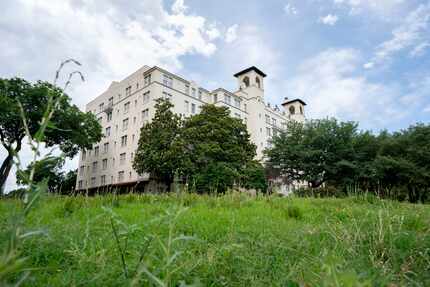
{"x": 160, "y": 151}
{"x": 70, "y": 128}
{"x": 217, "y": 149}
{"x": 316, "y": 151}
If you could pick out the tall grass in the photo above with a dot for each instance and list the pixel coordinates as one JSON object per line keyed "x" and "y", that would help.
{"x": 13, "y": 269}
{"x": 231, "y": 240}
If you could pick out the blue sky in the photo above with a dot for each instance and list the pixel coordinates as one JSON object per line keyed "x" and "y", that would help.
{"x": 360, "y": 60}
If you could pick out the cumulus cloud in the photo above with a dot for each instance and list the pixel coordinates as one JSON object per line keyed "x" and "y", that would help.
{"x": 231, "y": 34}
{"x": 110, "y": 38}
{"x": 331, "y": 85}
{"x": 412, "y": 34}
{"x": 329, "y": 20}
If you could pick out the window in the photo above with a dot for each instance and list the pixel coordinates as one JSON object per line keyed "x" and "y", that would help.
{"x": 167, "y": 96}
{"x": 123, "y": 141}
{"x": 84, "y": 154}
{"x": 120, "y": 176}
{"x": 103, "y": 180}
{"x": 193, "y": 92}
{"x": 246, "y": 81}
{"x": 227, "y": 99}
{"x": 128, "y": 91}
{"x": 147, "y": 79}
{"x": 193, "y": 108}
{"x": 146, "y": 98}
{"x": 109, "y": 116}
{"x": 104, "y": 164}
{"x": 119, "y": 96}
{"x": 101, "y": 107}
{"x": 257, "y": 80}
{"x": 237, "y": 115}
{"x": 187, "y": 106}
{"x": 237, "y": 102}
{"x": 167, "y": 81}
{"x": 268, "y": 132}
{"x": 145, "y": 114}
{"x": 107, "y": 132}
{"x": 82, "y": 170}
{"x": 105, "y": 147}
{"x": 137, "y": 86}
{"x": 93, "y": 181}
{"x": 274, "y": 122}
{"x": 292, "y": 110}
{"x": 301, "y": 110}
{"x": 187, "y": 89}
{"x": 267, "y": 119}
{"x": 215, "y": 98}
{"x": 125, "y": 124}
{"x": 245, "y": 107}
{"x": 122, "y": 159}
{"x": 96, "y": 151}
{"x": 126, "y": 107}
{"x": 135, "y": 103}
{"x": 94, "y": 167}
{"x": 100, "y": 119}
{"x": 200, "y": 95}
{"x": 80, "y": 184}
{"x": 110, "y": 103}
{"x": 132, "y": 138}
{"x": 275, "y": 132}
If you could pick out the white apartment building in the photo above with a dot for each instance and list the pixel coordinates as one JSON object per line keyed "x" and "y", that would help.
{"x": 130, "y": 103}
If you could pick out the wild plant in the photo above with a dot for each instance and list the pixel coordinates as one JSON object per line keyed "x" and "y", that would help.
{"x": 13, "y": 269}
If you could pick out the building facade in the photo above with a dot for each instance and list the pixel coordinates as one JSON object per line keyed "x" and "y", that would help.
{"x": 127, "y": 105}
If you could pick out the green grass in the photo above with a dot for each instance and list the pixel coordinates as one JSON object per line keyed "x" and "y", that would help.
{"x": 233, "y": 240}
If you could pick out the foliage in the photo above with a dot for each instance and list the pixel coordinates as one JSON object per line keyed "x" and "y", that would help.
{"x": 159, "y": 153}
{"x": 254, "y": 177}
{"x": 50, "y": 168}
{"x": 13, "y": 269}
{"x": 217, "y": 149}
{"x": 333, "y": 153}
{"x": 235, "y": 240}
{"x": 210, "y": 151}
{"x": 68, "y": 127}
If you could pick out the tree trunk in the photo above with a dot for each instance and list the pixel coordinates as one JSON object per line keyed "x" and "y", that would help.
{"x": 5, "y": 170}
{"x": 8, "y": 163}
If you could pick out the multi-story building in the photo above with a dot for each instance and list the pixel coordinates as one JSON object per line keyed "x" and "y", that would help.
{"x": 128, "y": 104}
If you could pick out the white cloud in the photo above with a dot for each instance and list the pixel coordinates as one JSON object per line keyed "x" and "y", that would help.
{"x": 329, "y": 82}
{"x": 381, "y": 8}
{"x": 290, "y": 9}
{"x": 110, "y": 38}
{"x": 179, "y": 7}
{"x": 231, "y": 34}
{"x": 369, "y": 65}
{"x": 329, "y": 20}
{"x": 419, "y": 50}
{"x": 413, "y": 34}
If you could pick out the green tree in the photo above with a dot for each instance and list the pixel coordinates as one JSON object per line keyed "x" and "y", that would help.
{"x": 69, "y": 128}
{"x": 160, "y": 151}
{"x": 49, "y": 168}
{"x": 217, "y": 149}
{"x": 254, "y": 176}
{"x": 316, "y": 151}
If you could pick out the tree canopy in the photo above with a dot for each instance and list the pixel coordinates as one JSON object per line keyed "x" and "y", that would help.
{"x": 159, "y": 151}
{"x": 217, "y": 149}
{"x": 69, "y": 128}
{"x": 338, "y": 154}
{"x": 210, "y": 151}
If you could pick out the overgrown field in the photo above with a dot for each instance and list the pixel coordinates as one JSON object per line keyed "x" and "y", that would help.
{"x": 232, "y": 240}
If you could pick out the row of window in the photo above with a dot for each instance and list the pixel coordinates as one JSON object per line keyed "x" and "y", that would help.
{"x": 94, "y": 165}
{"x": 124, "y": 140}
{"x": 93, "y": 180}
